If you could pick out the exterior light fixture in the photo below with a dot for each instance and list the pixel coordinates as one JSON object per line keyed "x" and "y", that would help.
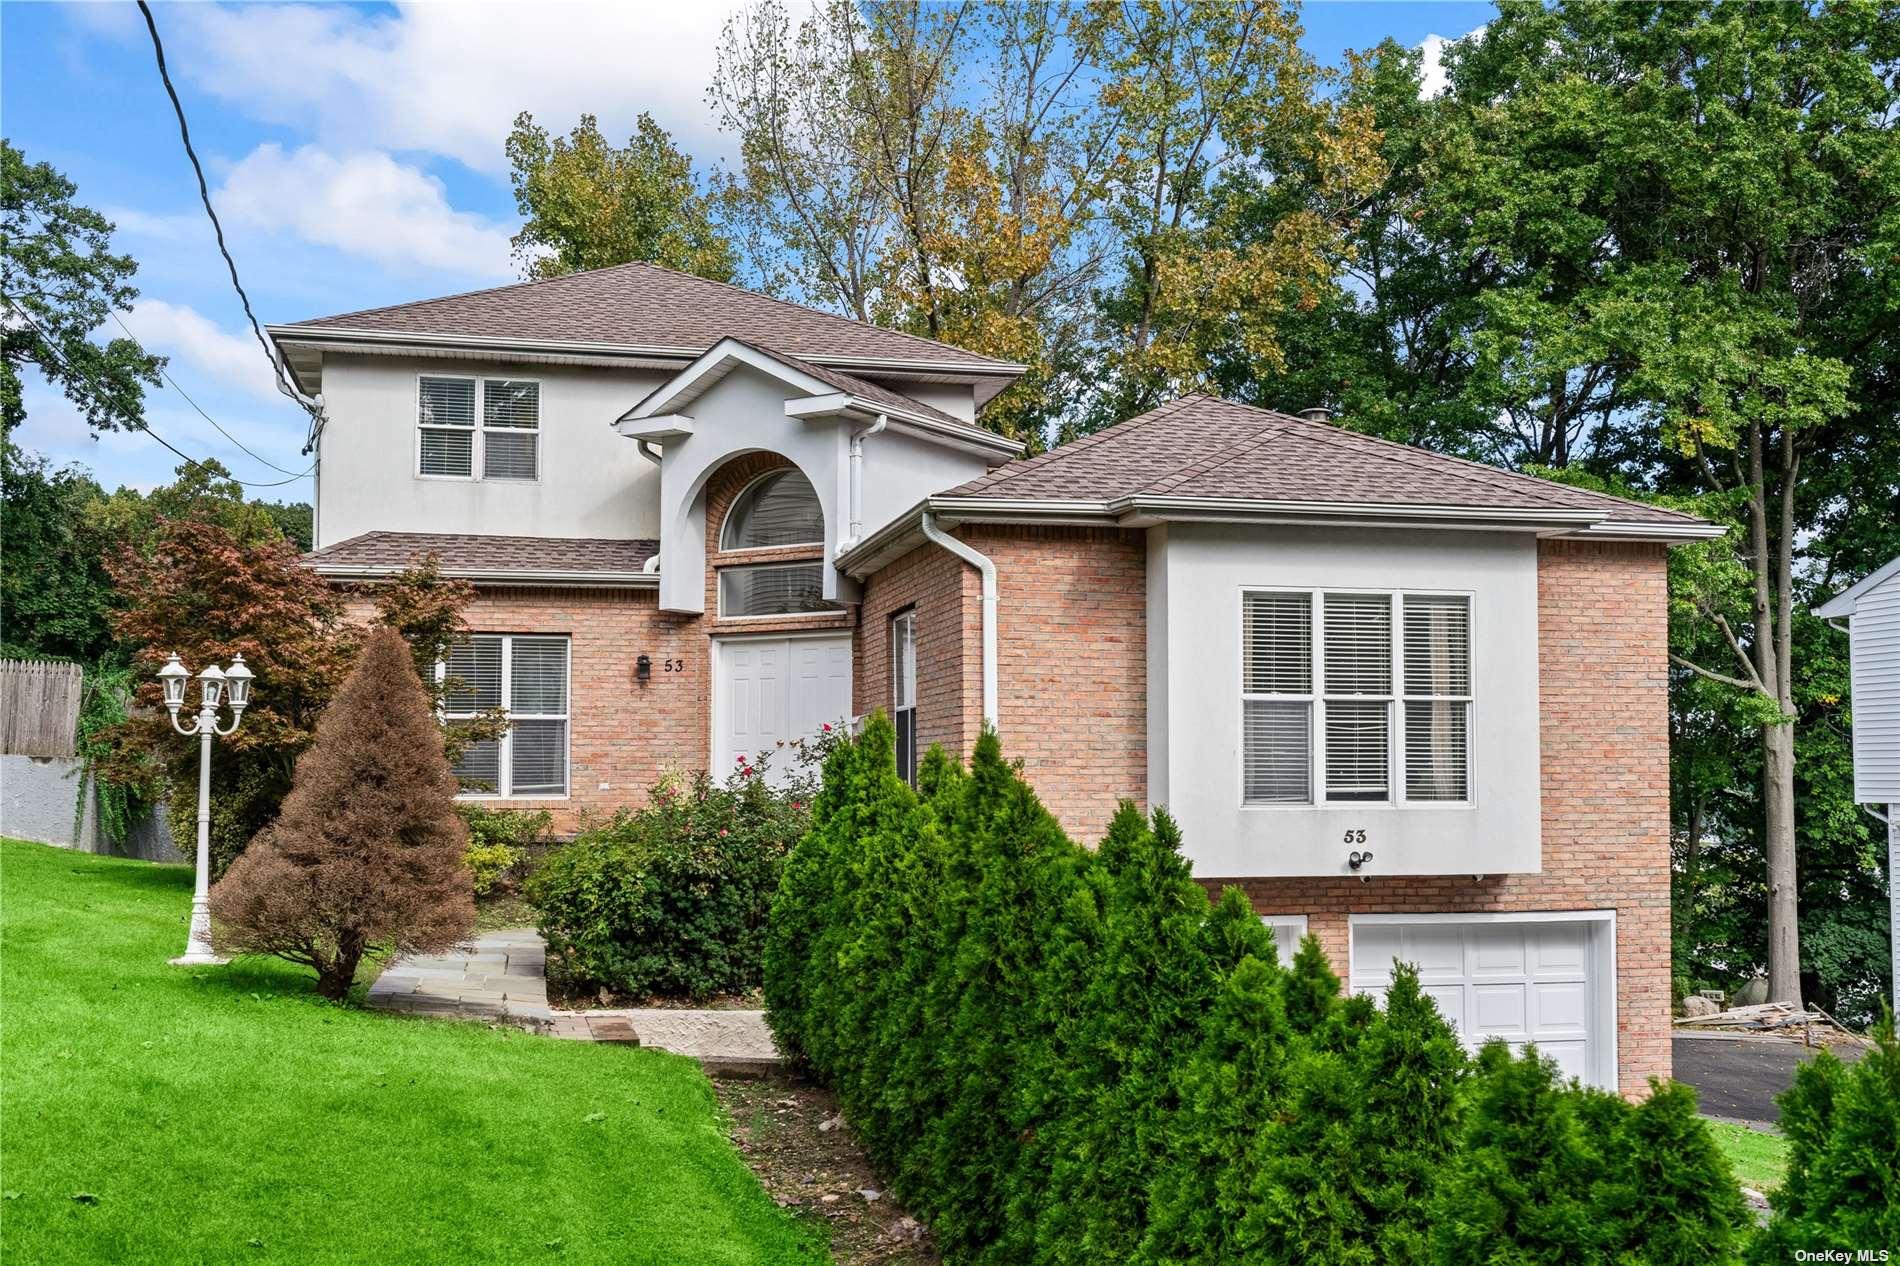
{"x": 643, "y": 669}
{"x": 1357, "y": 860}
{"x": 173, "y": 677}
{"x": 213, "y": 683}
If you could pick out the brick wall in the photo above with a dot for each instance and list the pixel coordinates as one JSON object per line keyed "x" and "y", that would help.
{"x": 1072, "y": 664}
{"x": 621, "y": 733}
{"x": 1603, "y": 630}
{"x": 1071, "y": 658}
{"x": 946, "y": 596}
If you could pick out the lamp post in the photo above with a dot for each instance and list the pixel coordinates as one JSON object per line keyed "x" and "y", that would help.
{"x": 213, "y": 683}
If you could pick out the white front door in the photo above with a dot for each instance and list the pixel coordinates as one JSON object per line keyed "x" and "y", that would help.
{"x": 768, "y": 691}
{"x": 1543, "y": 980}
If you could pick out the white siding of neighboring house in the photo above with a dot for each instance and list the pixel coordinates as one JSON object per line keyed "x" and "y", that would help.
{"x": 1874, "y": 635}
{"x": 1196, "y": 574}
{"x": 592, "y": 482}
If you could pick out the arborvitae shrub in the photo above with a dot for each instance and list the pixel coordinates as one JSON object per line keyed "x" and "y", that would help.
{"x": 1670, "y": 1198}
{"x": 1842, "y": 1191}
{"x": 1225, "y": 1093}
{"x": 367, "y": 854}
{"x": 1010, "y": 865}
{"x": 1055, "y": 1055}
{"x": 1521, "y": 1186}
{"x": 1312, "y": 988}
{"x": 1348, "y": 1170}
{"x": 1144, "y": 1010}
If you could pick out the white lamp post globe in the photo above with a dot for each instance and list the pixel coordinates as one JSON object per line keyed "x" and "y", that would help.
{"x": 237, "y": 680}
{"x": 173, "y": 677}
{"x": 211, "y": 686}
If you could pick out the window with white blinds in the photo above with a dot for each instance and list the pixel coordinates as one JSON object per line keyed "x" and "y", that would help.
{"x": 1355, "y": 697}
{"x": 771, "y": 589}
{"x": 1437, "y": 697}
{"x": 450, "y": 444}
{"x": 904, "y": 692}
{"x": 526, "y": 676}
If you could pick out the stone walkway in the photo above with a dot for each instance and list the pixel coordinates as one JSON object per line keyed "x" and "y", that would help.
{"x": 502, "y": 976}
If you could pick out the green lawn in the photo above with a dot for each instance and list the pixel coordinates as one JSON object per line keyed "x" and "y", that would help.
{"x": 205, "y": 1115}
{"x": 1759, "y": 1160}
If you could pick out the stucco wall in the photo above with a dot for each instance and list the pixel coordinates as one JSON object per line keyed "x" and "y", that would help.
{"x": 37, "y": 798}
{"x": 1196, "y": 576}
{"x": 593, "y": 482}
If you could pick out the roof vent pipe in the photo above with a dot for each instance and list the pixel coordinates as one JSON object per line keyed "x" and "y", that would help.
{"x": 987, "y": 569}
{"x": 1318, "y": 413}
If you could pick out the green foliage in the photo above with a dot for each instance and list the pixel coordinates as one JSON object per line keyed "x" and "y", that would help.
{"x": 1348, "y": 1167}
{"x": 671, "y": 899}
{"x": 104, "y": 704}
{"x": 585, "y": 203}
{"x": 55, "y": 597}
{"x": 62, "y": 283}
{"x": 1056, "y": 1054}
{"x": 499, "y": 841}
{"x": 1843, "y": 1185}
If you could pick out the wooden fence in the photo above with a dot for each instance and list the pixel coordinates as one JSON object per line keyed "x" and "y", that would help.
{"x": 39, "y": 707}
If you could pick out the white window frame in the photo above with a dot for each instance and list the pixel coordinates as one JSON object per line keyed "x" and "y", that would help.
{"x": 1316, "y": 698}
{"x": 719, "y": 586}
{"x": 505, "y": 761}
{"x": 904, "y": 658}
{"x": 1294, "y": 923}
{"x": 725, "y": 524}
{"x": 479, "y": 430}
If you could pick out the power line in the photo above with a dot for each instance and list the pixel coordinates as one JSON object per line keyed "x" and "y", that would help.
{"x": 136, "y": 424}
{"x": 204, "y": 195}
{"x": 65, "y": 243}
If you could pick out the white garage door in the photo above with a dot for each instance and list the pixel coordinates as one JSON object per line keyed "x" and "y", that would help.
{"x": 1523, "y": 980}
{"x": 768, "y": 690}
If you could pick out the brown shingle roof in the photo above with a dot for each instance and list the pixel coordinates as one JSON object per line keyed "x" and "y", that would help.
{"x": 645, "y": 305}
{"x": 460, "y": 554}
{"x": 1203, "y": 447}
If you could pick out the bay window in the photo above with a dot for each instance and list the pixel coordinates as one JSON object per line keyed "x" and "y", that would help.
{"x": 1337, "y": 708}
{"x": 526, "y": 676}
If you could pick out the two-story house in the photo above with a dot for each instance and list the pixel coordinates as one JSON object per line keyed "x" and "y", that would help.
{"x": 1414, "y": 705}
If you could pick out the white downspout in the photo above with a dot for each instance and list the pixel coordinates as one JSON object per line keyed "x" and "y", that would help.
{"x": 987, "y": 569}
{"x": 857, "y": 476}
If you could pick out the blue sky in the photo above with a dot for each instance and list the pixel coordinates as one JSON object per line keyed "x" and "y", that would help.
{"x": 355, "y": 156}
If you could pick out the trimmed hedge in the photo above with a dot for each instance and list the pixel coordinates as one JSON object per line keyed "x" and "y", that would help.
{"x": 1064, "y": 1055}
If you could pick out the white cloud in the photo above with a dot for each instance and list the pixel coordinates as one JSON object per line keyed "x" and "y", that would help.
{"x": 231, "y": 359}
{"x": 365, "y": 204}
{"x": 450, "y": 78}
{"x": 1432, "y": 48}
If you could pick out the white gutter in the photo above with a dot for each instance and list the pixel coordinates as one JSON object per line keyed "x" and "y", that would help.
{"x": 857, "y": 475}
{"x": 987, "y": 569}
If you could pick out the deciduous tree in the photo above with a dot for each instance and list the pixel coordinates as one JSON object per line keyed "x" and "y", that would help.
{"x": 587, "y": 203}
{"x": 60, "y": 281}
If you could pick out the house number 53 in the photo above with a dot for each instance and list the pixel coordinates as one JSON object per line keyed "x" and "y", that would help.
{"x": 1355, "y": 837}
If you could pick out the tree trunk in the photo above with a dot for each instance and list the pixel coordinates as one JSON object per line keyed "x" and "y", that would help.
{"x": 1784, "y": 942}
{"x": 338, "y": 973}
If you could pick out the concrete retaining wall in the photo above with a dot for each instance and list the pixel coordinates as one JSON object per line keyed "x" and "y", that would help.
{"x": 37, "y": 797}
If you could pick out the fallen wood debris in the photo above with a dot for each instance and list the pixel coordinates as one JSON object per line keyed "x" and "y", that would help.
{"x": 1779, "y": 1019}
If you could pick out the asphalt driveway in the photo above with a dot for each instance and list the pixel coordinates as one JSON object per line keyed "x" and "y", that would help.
{"x": 1740, "y": 1077}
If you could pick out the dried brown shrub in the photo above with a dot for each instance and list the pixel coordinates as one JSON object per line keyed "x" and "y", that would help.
{"x": 367, "y": 853}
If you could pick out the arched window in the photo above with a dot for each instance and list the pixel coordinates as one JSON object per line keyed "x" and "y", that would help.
{"x": 776, "y": 509}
